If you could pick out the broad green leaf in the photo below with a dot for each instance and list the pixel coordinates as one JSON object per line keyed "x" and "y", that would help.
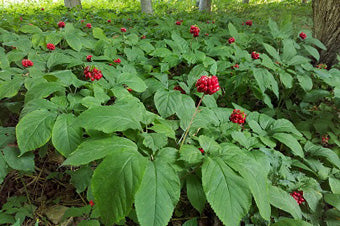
{"x": 115, "y": 182}
{"x": 43, "y": 90}
{"x": 73, "y": 41}
{"x": 190, "y": 154}
{"x": 23, "y": 163}
{"x": 3, "y": 170}
{"x": 322, "y": 152}
{"x": 164, "y": 128}
{"x": 240, "y": 138}
{"x": 283, "y": 125}
{"x": 161, "y": 52}
{"x": 289, "y": 50}
{"x": 195, "y": 192}
{"x": 109, "y": 119}
{"x": 66, "y": 134}
{"x": 297, "y": 60}
{"x": 272, "y": 51}
{"x": 154, "y": 141}
{"x": 185, "y": 110}
{"x": 333, "y": 199}
{"x": 10, "y": 88}
{"x": 290, "y": 142}
{"x": 166, "y": 102}
{"x": 34, "y": 130}
{"x": 335, "y": 185}
{"x": 180, "y": 42}
{"x": 227, "y": 193}
{"x": 305, "y": 82}
{"x": 291, "y": 222}
{"x": 132, "y": 81}
{"x": 312, "y": 51}
{"x": 94, "y": 149}
{"x": 30, "y": 29}
{"x": 265, "y": 80}
{"x": 158, "y": 194}
{"x": 81, "y": 178}
{"x": 208, "y": 144}
{"x": 232, "y": 30}
{"x": 284, "y": 201}
{"x": 191, "y": 222}
{"x": 286, "y": 79}
{"x": 98, "y": 33}
{"x": 89, "y": 223}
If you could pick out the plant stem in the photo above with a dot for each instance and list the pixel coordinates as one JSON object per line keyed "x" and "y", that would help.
{"x": 191, "y": 121}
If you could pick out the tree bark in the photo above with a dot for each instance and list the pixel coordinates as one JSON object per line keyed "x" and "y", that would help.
{"x": 72, "y": 3}
{"x": 146, "y": 6}
{"x": 326, "y": 17}
{"x": 245, "y": 1}
{"x": 205, "y": 5}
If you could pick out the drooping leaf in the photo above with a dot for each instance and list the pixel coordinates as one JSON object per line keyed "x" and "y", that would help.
{"x": 195, "y": 192}
{"x": 290, "y": 142}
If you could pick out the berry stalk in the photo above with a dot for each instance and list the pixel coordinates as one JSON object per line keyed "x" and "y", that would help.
{"x": 191, "y": 121}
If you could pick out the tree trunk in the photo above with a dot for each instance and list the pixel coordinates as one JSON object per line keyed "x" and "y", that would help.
{"x": 72, "y": 3}
{"x": 205, "y": 5}
{"x": 146, "y": 6}
{"x": 326, "y": 17}
{"x": 245, "y": 1}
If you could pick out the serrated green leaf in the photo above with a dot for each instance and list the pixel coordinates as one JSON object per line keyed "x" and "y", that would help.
{"x": 190, "y": 154}
{"x": 10, "y": 88}
{"x": 291, "y": 222}
{"x": 166, "y": 102}
{"x": 290, "y": 142}
{"x": 195, "y": 192}
{"x": 23, "y": 163}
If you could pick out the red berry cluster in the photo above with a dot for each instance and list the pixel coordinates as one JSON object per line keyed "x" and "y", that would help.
{"x": 208, "y": 84}
{"x": 50, "y": 46}
{"x": 143, "y": 37}
{"x": 82, "y": 21}
{"x": 322, "y": 66}
{"x": 249, "y": 22}
{"x": 42, "y": 9}
{"x": 255, "y": 55}
{"x": 324, "y": 140}
{"x": 298, "y": 196}
{"x": 238, "y": 117}
{"x": 27, "y": 63}
{"x": 178, "y": 22}
{"x": 109, "y": 21}
{"x": 179, "y": 89}
{"x": 61, "y": 24}
{"x": 201, "y": 150}
{"x": 231, "y": 40}
{"x": 89, "y": 58}
{"x": 91, "y": 203}
{"x": 302, "y": 35}
{"x": 194, "y": 29}
{"x": 93, "y": 73}
{"x": 117, "y": 61}
{"x": 123, "y": 29}
{"x": 236, "y": 66}
{"x": 88, "y": 25}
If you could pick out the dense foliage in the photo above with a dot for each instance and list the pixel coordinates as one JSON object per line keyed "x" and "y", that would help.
{"x": 114, "y": 96}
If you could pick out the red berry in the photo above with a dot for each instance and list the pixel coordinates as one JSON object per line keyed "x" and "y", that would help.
{"x": 231, "y": 40}
{"x": 117, "y": 61}
{"x": 207, "y": 85}
{"x": 236, "y": 66}
{"x": 249, "y": 22}
{"x": 26, "y": 63}
{"x": 143, "y": 37}
{"x": 50, "y": 46}
{"x": 201, "y": 150}
{"x": 123, "y": 29}
{"x": 91, "y": 203}
{"x": 194, "y": 29}
{"x": 88, "y": 25}
{"x": 109, "y": 21}
{"x": 179, "y": 89}
{"x": 61, "y": 24}
{"x": 82, "y": 21}
{"x": 42, "y": 9}
{"x": 89, "y": 58}
{"x": 129, "y": 89}
{"x": 93, "y": 74}
{"x": 178, "y": 22}
{"x": 302, "y": 35}
{"x": 255, "y": 55}
{"x": 238, "y": 117}
{"x": 298, "y": 196}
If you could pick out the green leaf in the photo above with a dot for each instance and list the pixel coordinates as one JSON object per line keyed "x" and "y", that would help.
{"x": 115, "y": 182}
{"x": 333, "y": 199}
{"x": 290, "y": 142}
{"x": 305, "y": 82}
{"x": 73, "y": 41}
{"x": 191, "y": 222}
{"x": 34, "y": 130}
{"x": 297, "y": 60}
{"x": 66, "y": 134}
{"x": 89, "y": 223}
{"x": 227, "y": 193}
{"x": 94, "y": 149}
{"x": 272, "y": 51}
{"x": 161, "y": 52}
{"x": 98, "y": 33}
{"x": 23, "y": 163}
{"x": 10, "y": 88}
{"x": 164, "y": 128}
{"x": 265, "y": 80}
{"x": 43, "y": 90}
{"x": 31, "y": 29}
{"x": 289, "y": 50}
{"x": 286, "y": 79}
{"x": 283, "y": 125}
{"x": 232, "y": 30}
{"x": 190, "y": 154}
{"x": 81, "y": 178}
{"x": 284, "y": 201}
{"x": 109, "y": 119}
{"x": 155, "y": 141}
{"x": 291, "y": 222}
{"x": 166, "y": 102}
{"x": 3, "y": 170}
{"x": 132, "y": 81}
{"x": 185, "y": 110}
{"x": 208, "y": 144}
{"x": 334, "y": 183}
{"x": 322, "y": 152}
{"x": 240, "y": 138}
{"x": 195, "y": 192}
{"x": 157, "y": 195}
{"x": 312, "y": 51}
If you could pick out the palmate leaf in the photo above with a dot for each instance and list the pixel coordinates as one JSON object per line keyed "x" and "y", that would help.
{"x": 34, "y": 130}
{"x": 227, "y": 193}
{"x": 158, "y": 194}
{"x": 115, "y": 182}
